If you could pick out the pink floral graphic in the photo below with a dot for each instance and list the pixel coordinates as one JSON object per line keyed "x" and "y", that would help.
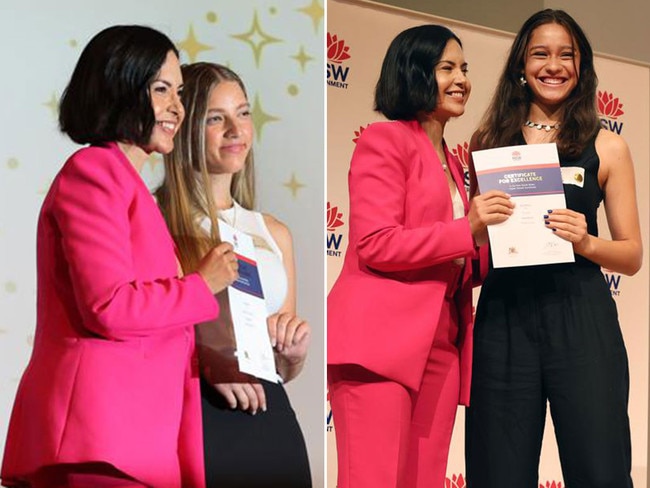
{"x": 455, "y": 482}
{"x": 551, "y": 484}
{"x": 333, "y": 218}
{"x": 359, "y": 132}
{"x": 337, "y": 51}
{"x": 608, "y": 106}
{"x": 461, "y": 151}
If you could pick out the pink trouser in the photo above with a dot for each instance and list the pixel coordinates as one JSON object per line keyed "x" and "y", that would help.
{"x": 388, "y": 435}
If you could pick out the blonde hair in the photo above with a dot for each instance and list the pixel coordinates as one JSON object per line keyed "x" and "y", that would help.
{"x": 185, "y": 198}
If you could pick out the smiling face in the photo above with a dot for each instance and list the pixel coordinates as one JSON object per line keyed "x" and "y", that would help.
{"x": 453, "y": 85}
{"x": 228, "y": 129}
{"x": 165, "y": 91}
{"x": 551, "y": 65}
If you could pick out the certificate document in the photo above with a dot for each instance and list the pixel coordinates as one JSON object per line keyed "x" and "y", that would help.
{"x": 531, "y": 175}
{"x": 248, "y": 309}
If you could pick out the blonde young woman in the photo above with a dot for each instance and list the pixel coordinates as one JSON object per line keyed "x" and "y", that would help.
{"x": 251, "y": 435}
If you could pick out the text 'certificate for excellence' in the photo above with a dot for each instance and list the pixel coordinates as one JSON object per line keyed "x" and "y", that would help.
{"x": 248, "y": 309}
{"x": 531, "y": 175}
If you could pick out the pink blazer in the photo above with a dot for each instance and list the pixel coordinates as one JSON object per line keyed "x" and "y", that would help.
{"x": 383, "y": 310}
{"x": 113, "y": 375}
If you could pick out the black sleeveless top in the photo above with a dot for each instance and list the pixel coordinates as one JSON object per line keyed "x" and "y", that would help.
{"x": 581, "y": 189}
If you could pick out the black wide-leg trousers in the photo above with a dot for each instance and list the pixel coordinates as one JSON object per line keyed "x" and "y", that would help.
{"x": 548, "y": 334}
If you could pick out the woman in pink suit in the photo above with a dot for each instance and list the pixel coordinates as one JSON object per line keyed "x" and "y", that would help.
{"x": 111, "y": 394}
{"x": 400, "y": 313}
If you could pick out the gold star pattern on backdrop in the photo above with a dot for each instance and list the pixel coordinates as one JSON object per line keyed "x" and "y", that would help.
{"x": 293, "y": 185}
{"x": 315, "y": 11}
{"x": 53, "y": 105}
{"x": 12, "y": 163}
{"x": 302, "y": 57}
{"x": 256, "y": 38}
{"x": 260, "y": 117}
{"x": 192, "y": 46}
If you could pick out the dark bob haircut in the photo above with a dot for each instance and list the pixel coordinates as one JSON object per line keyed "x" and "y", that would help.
{"x": 407, "y": 83}
{"x": 107, "y": 98}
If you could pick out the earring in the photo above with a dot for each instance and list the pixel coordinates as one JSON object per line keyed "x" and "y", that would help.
{"x": 522, "y": 80}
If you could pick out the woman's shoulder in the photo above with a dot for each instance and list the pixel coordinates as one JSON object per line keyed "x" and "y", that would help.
{"x": 394, "y": 135}
{"x": 96, "y": 167}
{"x": 98, "y": 159}
{"x": 387, "y": 129}
{"x": 278, "y": 229}
{"x": 608, "y": 141}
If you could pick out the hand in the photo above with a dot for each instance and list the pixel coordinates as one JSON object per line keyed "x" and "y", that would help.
{"x": 290, "y": 336}
{"x": 486, "y": 209}
{"x": 248, "y": 397}
{"x": 219, "y": 268}
{"x": 570, "y": 226}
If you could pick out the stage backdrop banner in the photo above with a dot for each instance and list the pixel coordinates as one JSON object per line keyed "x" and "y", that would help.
{"x": 276, "y": 47}
{"x": 358, "y": 34}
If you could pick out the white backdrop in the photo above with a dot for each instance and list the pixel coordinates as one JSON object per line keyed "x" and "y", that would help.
{"x": 359, "y": 33}
{"x": 277, "y": 48}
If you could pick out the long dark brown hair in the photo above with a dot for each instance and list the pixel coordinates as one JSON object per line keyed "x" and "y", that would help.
{"x": 508, "y": 110}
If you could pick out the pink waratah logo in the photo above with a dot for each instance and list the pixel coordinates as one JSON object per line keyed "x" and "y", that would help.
{"x": 461, "y": 151}
{"x": 516, "y": 156}
{"x": 358, "y": 133}
{"x": 609, "y": 106}
{"x": 455, "y": 482}
{"x": 337, "y": 51}
{"x": 333, "y": 218}
{"x": 551, "y": 484}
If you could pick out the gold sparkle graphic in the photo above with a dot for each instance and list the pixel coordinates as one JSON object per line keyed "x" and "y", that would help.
{"x": 315, "y": 11}
{"x": 72, "y": 43}
{"x": 12, "y": 163}
{"x": 192, "y": 46}
{"x": 293, "y": 185}
{"x": 302, "y": 57}
{"x": 53, "y": 105}
{"x": 256, "y": 38}
{"x": 293, "y": 90}
{"x": 211, "y": 17}
{"x": 10, "y": 287}
{"x": 260, "y": 117}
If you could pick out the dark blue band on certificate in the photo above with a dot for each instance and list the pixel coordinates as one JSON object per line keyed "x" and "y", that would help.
{"x": 249, "y": 277}
{"x": 523, "y": 182}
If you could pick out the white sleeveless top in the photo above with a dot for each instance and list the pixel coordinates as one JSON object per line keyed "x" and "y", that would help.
{"x": 268, "y": 254}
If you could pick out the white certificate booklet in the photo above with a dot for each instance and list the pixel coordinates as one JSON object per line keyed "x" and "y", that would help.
{"x": 248, "y": 309}
{"x": 531, "y": 175}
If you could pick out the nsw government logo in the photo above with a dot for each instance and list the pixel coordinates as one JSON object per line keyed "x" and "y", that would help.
{"x": 609, "y": 110}
{"x": 337, "y": 52}
{"x": 613, "y": 281}
{"x": 334, "y": 237}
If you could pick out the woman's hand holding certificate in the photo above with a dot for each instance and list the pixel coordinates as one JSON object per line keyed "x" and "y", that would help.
{"x": 531, "y": 175}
